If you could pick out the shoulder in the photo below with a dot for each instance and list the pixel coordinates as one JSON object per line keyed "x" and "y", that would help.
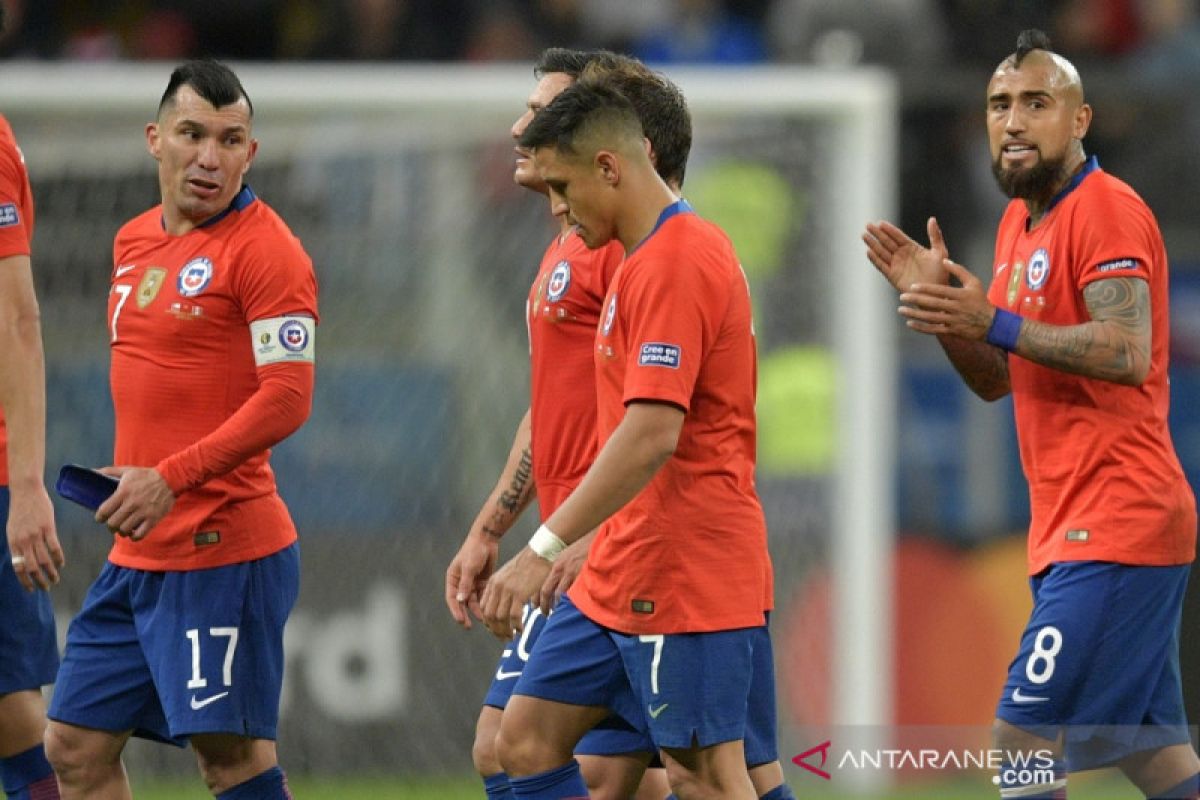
{"x": 260, "y": 231}
{"x": 1108, "y": 208}
{"x": 694, "y": 244}
{"x": 1103, "y": 192}
{"x": 144, "y": 225}
{"x": 12, "y": 162}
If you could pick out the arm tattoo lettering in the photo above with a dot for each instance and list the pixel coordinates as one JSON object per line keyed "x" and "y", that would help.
{"x": 512, "y": 500}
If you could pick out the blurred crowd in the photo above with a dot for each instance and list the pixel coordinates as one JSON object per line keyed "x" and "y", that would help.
{"x": 900, "y": 33}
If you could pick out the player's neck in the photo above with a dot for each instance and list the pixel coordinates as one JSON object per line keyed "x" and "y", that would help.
{"x": 565, "y": 226}
{"x": 641, "y": 212}
{"x": 1039, "y": 206}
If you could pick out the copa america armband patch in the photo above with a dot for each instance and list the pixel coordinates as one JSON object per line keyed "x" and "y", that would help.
{"x": 282, "y": 339}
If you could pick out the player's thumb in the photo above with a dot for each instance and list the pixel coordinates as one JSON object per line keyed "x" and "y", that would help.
{"x": 936, "y": 240}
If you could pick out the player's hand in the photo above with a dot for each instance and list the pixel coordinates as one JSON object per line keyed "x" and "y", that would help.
{"x": 506, "y": 594}
{"x": 563, "y": 572}
{"x": 902, "y": 260}
{"x": 32, "y": 540}
{"x": 468, "y": 573}
{"x": 947, "y": 310}
{"x": 141, "y": 500}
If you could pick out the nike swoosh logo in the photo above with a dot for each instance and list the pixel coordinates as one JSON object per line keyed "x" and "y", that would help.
{"x": 654, "y": 712}
{"x": 199, "y": 704}
{"x": 1001, "y": 268}
{"x": 1019, "y": 697}
{"x": 501, "y": 675}
{"x": 121, "y": 270}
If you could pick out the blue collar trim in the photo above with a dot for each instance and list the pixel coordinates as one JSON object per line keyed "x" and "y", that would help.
{"x": 680, "y": 206}
{"x": 241, "y": 201}
{"x": 1089, "y": 166}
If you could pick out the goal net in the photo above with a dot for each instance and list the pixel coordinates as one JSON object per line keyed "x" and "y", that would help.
{"x": 398, "y": 182}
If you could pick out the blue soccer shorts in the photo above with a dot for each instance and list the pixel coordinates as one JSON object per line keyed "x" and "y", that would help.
{"x": 684, "y": 689}
{"x": 614, "y": 736}
{"x": 28, "y": 642}
{"x": 1099, "y": 661}
{"x": 173, "y": 654}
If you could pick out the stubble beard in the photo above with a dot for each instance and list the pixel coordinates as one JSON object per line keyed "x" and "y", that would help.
{"x": 1037, "y": 183}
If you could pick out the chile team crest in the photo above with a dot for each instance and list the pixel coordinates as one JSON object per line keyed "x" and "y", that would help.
{"x": 195, "y": 277}
{"x": 1038, "y": 269}
{"x": 560, "y": 281}
{"x": 293, "y": 335}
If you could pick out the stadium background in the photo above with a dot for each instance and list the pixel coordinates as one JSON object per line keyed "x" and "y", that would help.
{"x": 422, "y": 353}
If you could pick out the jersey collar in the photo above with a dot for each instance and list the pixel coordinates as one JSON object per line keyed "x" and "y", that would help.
{"x": 680, "y": 206}
{"x": 241, "y": 200}
{"x": 1089, "y": 166}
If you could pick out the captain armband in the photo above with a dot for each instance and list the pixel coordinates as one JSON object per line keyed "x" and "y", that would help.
{"x": 280, "y": 340}
{"x": 1005, "y": 328}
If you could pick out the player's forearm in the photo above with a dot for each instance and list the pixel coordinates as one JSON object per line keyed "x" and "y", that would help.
{"x": 983, "y": 367}
{"x": 22, "y": 379}
{"x": 1094, "y": 350}
{"x": 514, "y": 490}
{"x": 280, "y": 406}
{"x": 645, "y": 439}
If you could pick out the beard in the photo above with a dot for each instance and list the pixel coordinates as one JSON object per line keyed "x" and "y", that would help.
{"x": 1031, "y": 183}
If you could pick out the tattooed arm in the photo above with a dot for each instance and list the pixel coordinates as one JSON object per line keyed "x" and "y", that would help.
{"x": 476, "y": 558}
{"x": 1113, "y": 346}
{"x": 983, "y": 367}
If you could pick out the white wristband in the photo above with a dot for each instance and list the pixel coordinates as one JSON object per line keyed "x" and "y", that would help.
{"x": 546, "y": 544}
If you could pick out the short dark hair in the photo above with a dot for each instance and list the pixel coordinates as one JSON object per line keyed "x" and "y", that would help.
{"x": 660, "y": 106}
{"x": 212, "y": 80}
{"x": 570, "y": 62}
{"x": 2, "y": 12}
{"x": 577, "y": 111}
{"x": 1028, "y": 41}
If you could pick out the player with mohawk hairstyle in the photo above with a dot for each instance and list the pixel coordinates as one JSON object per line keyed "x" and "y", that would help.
{"x": 1074, "y": 326}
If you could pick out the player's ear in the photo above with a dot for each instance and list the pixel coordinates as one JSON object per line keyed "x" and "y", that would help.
{"x": 153, "y": 140}
{"x": 1082, "y": 121}
{"x": 608, "y": 166}
{"x": 250, "y": 156}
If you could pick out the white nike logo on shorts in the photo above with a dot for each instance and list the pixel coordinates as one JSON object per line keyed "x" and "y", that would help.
{"x": 199, "y": 704}
{"x": 501, "y": 675}
{"x": 121, "y": 270}
{"x": 1018, "y": 697}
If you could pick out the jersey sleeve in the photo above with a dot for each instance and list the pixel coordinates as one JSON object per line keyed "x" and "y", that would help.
{"x": 670, "y": 316}
{"x": 277, "y": 280}
{"x": 15, "y": 233}
{"x": 1112, "y": 235}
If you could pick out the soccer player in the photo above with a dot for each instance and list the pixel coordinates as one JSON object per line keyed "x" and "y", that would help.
{"x": 211, "y": 322}
{"x": 555, "y": 442}
{"x": 664, "y": 619}
{"x": 28, "y": 643}
{"x": 1075, "y": 327}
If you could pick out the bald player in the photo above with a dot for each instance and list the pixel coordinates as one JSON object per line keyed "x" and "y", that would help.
{"x": 1075, "y": 327}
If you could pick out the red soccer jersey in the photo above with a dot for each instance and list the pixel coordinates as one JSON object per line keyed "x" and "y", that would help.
{"x": 182, "y": 362}
{"x": 1104, "y": 481}
{"x": 689, "y": 553}
{"x": 562, "y": 312}
{"x": 16, "y": 229}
